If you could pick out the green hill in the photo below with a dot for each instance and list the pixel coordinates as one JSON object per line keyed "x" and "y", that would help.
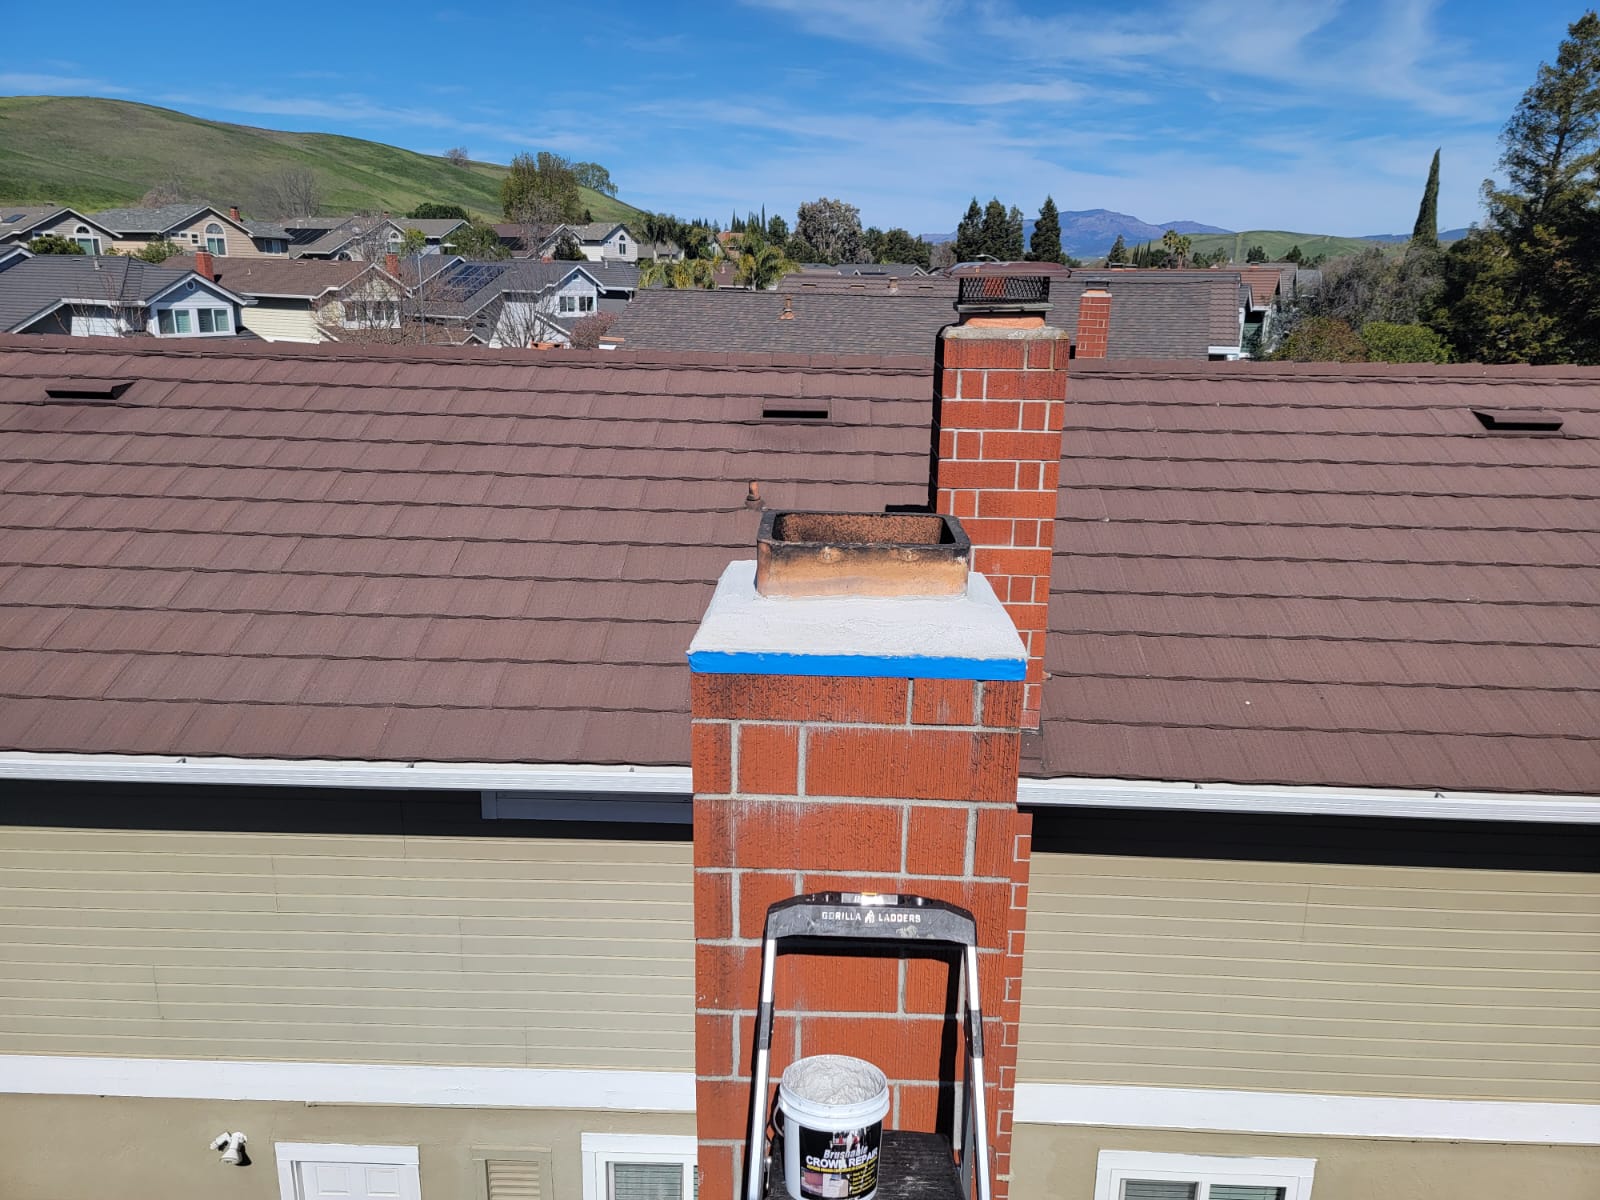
{"x": 91, "y": 154}
{"x": 1277, "y": 243}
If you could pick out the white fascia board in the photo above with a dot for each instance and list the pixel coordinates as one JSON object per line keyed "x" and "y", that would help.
{"x": 140, "y": 768}
{"x": 569, "y": 779}
{"x": 1213, "y": 1110}
{"x": 1307, "y": 801}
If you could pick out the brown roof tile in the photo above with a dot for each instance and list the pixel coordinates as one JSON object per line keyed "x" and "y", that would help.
{"x": 1303, "y": 575}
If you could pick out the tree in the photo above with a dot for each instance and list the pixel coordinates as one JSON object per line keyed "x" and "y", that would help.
{"x": 969, "y": 234}
{"x": 541, "y": 190}
{"x": 53, "y": 243}
{"x": 159, "y": 251}
{"x": 171, "y": 190}
{"x": 777, "y": 229}
{"x": 431, "y": 211}
{"x": 1176, "y": 245}
{"x": 763, "y": 268}
{"x": 594, "y": 177}
{"x": 1388, "y": 342}
{"x": 996, "y": 236}
{"x": 567, "y": 249}
{"x": 800, "y": 250}
{"x": 900, "y": 247}
{"x": 475, "y": 240}
{"x": 833, "y": 228}
{"x": 292, "y": 193}
{"x": 686, "y": 273}
{"x": 1322, "y": 339}
{"x": 1045, "y": 245}
{"x": 1118, "y": 253}
{"x": 1523, "y": 287}
{"x": 1295, "y": 254}
{"x": 457, "y": 156}
{"x": 1256, "y": 254}
{"x": 1014, "y": 227}
{"x": 587, "y": 331}
{"x": 1425, "y": 233}
{"x": 872, "y": 243}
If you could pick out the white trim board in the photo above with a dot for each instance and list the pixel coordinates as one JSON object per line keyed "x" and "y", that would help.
{"x": 564, "y": 780}
{"x": 291, "y": 1155}
{"x": 1114, "y": 1167}
{"x": 348, "y": 1083}
{"x": 1204, "y": 1109}
{"x": 1308, "y": 1115}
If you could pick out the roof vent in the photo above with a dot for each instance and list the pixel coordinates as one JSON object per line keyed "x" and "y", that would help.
{"x": 87, "y": 389}
{"x": 771, "y": 412}
{"x": 788, "y": 309}
{"x": 1525, "y": 423}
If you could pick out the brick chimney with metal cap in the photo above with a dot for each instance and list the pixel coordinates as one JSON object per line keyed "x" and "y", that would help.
{"x": 999, "y": 402}
{"x": 856, "y": 695}
{"x": 205, "y": 265}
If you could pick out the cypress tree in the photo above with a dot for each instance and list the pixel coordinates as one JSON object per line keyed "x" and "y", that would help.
{"x": 969, "y": 234}
{"x": 1119, "y": 251}
{"x": 1425, "y": 234}
{"x": 996, "y": 229}
{"x": 1046, "y": 242}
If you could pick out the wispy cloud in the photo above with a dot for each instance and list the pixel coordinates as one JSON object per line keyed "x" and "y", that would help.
{"x": 914, "y": 27}
{"x": 51, "y": 85}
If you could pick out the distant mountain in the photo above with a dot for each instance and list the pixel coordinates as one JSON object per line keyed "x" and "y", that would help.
{"x": 1089, "y": 233}
{"x": 1445, "y": 235}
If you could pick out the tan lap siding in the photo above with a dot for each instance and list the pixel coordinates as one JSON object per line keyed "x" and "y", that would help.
{"x": 1368, "y": 980}
{"x": 511, "y": 951}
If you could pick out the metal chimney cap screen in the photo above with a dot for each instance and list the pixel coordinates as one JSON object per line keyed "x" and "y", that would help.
{"x": 992, "y": 292}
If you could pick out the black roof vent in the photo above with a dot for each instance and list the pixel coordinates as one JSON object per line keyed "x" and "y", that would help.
{"x": 1001, "y": 293}
{"x": 773, "y": 412}
{"x": 1525, "y": 423}
{"x": 87, "y": 389}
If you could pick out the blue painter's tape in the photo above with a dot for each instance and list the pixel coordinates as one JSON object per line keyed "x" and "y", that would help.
{"x": 865, "y": 666}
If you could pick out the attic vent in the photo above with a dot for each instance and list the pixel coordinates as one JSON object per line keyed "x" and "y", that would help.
{"x": 1517, "y": 422}
{"x": 87, "y": 389}
{"x": 772, "y": 413}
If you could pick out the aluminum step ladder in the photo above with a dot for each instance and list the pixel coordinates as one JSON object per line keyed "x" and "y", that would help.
{"x": 911, "y": 1166}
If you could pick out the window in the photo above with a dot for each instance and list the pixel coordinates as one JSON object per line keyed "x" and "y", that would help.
{"x": 622, "y": 245}
{"x": 216, "y": 240}
{"x": 314, "y": 1171}
{"x": 173, "y": 321}
{"x": 1137, "y": 1175}
{"x": 569, "y": 304}
{"x": 215, "y": 320}
{"x": 585, "y": 303}
{"x": 86, "y": 240}
{"x": 624, "y": 1166}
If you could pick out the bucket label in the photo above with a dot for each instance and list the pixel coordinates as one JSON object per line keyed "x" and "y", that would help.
{"x": 838, "y": 1164}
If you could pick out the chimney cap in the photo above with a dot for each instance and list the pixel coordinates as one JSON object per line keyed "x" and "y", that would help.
{"x": 1003, "y": 293}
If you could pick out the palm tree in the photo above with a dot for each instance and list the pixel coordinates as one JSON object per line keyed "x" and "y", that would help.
{"x": 764, "y": 267}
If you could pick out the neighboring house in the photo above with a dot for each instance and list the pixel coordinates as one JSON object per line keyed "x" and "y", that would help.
{"x": 113, "y": 296}
{"x": 364, "y": 237}
{"x": 347, "y": 747}
{"x": 519, "y": 302}
{"x": 304, "y": 300}
{"x": 193, "y": 227}
{"x": 20, "y": 224}
{"x": 600, "y": 241}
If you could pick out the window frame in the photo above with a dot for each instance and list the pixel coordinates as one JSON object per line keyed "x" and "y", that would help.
{"x": 83, "y": 234}
{"x": 216, "y": 243}
{"x": 215, "y": 311}
{"x": 1115, "y": 1167}
{"x": 600, "y": 1150}
{"x": 290, "y": 1155}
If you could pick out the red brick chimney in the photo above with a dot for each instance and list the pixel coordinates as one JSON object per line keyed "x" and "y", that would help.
{"x": 391, "y": 264}
{"x": 1001, "y": 388}
{"x": 1094, "y": 322}
{"x": 233, "y": 211}
{"x": 204, "y": 264}
{"x": 850, "y": 737}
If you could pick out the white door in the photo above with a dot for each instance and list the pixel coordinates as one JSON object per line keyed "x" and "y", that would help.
{"x": 352, "y": 1181}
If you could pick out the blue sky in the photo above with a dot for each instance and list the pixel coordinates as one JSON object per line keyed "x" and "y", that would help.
{"x": 1316, "y": 117}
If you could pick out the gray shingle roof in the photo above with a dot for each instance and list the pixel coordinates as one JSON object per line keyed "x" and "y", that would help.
{"x": 265, "y": 229}
{"x": 38, "y": 284}
{"x": 17, "y": 217}
{"x": 822, "y": 323}
{"x": 134, "y": 221}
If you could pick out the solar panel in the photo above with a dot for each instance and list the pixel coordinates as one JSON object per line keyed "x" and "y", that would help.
{"x": 469, "y": 277}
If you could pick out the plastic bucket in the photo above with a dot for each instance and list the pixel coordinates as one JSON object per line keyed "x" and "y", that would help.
{"x": 833, "y": 1108}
